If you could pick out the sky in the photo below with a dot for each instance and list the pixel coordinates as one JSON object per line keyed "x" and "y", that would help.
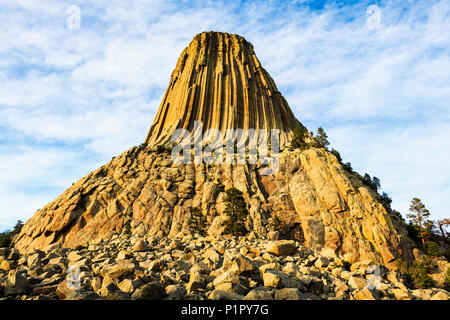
{"x": 81, "y": 81}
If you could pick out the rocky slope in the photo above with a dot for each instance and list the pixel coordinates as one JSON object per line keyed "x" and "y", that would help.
{"x": 219, "y": 81}
{"x": 322, "y": 204}
{"x": 197, "y": 268}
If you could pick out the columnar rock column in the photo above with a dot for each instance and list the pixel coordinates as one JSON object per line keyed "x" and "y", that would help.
{"x": 219, "y": 81}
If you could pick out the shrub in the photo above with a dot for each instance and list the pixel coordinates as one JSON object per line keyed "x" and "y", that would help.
{"x": 446, "y": 253}
{"x": 197, "y": 222}
{"x": 416, "y": 275}
{"x": 5, "y": 239}
{"x": 321, "y": 140}
{"x": 336, "y": 154}
{"x": 348, "y": 167}
{"x": 298, "y": 140}
{"x": 7, "y": 236}
{"x": 433, "y": 249}
{"x": 236, "y": 210}
{"x": 446, "y": 283}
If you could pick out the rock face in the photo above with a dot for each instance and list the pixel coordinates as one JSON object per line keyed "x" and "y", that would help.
{"x": 219, "y": 81}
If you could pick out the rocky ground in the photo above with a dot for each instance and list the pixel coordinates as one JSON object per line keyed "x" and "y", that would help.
{"x": 196, "y": 268}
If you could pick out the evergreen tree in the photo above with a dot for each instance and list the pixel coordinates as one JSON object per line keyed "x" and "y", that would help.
{"x": 337, "y": 155}
{"x": 322, "y": 138}
{"x": 236, "y": 210}
{"x": 197, "y": 221}
{"x": 418, "y": 218}
{"x": 7, "y": 236}
{"x": 298, "y": 139}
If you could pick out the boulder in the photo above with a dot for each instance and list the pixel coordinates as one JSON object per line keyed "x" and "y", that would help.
{"x": 150, "y": 291}
{"x": 289, "y": 294}
{"x": 282, "y": 247}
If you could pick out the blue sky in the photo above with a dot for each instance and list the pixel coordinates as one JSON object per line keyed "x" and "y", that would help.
{"x": 71, "y": 99}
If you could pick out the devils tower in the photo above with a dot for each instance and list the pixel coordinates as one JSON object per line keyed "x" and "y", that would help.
{"x": 219, "y": 81}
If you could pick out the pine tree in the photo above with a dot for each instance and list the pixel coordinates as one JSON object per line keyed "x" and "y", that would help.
{"x": 298, "y": 139}
{"x": 197, "y": 222}
{"x": 418, "y": 217}
{"x": 322, "y": 138}
{"x": 236, "y": 211}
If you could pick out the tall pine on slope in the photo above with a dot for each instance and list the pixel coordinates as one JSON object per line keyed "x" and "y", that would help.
{"x": 236, "y": 211}
{"x": 418, "y": 217}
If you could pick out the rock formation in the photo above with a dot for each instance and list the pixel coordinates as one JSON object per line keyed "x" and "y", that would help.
{"x": 219, "y": 81}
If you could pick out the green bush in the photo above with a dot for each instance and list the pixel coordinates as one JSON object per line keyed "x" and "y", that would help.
{"x": 433, "y": 249}
{"x": 416, "y": 275}
{"x": 7, "y": 236}
{"x": 348, "y": 167}
{"x": 321, "y": 139}
{"x": 446, "y": 253}
{"x": 197, "y": 221}
{"x": 337, "y": 155}
{"x": 236, "y": 210}
{"x": 298, "y": 140}
{"x": 446, "y": 284}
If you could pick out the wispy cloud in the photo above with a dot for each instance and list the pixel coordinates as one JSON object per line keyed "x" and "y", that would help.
{"x": 71, "y": 95}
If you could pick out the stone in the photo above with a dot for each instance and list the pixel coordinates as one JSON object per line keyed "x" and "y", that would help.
{"x": 357, "y": 283}
{"x": 271, "y": 278}
{"x": 6, "y": 265}
{"x": 231, "y": 287}
{"x": 108, "y": 289}
{"x": 212, "y": 255}
{"x": 227, "y": 277}
{"x": 291, "y": 269}
{"x": 421, "y": 294}
{"x": 16, "y": 284}
{"x": 34, "y": 258}
{"x": 400, "y": 294}
{"x": 13, "y": 254}
{"x": 141, "y": 246}
{"x": 63, "y": 290}
{"x": 175, "y": 292}
{"x": 340, "y": 286}
{"x": 289, "y": 294}
{"x": 196, "y": 282}
{"x": 440, "y": 296}
{"x": 118, "y": 270}
{"x": 259, "y": 294}
{"x": 272, "y": 266}
{"x": 364, "y": 264}
{"x": 74, "y": 256}
{"x": 242, "y": 265}
{"x": 129, "y": 286}
{"x": 81, "y": 294}
{"x": 96, "y": 284}
{"x": 364, "y": 294}
{"x": 321, "y": 262}
{"x": 224, "y": 295}
{"x": 311, "y": 296}
{"x": 337, "y": 272}
{"x": 281, "y": 247}
{"x": 150, "y": 291}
